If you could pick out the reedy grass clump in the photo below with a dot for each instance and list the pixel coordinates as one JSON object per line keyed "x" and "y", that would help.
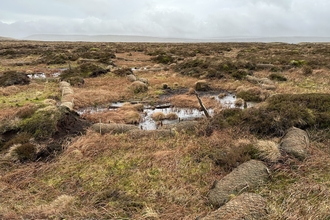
{"x": 279, "y": 113}
{"x": 163, "y": 58}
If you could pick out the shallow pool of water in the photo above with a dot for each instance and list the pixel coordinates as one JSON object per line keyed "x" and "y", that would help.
{"x": 37, "y": 76}
{"x": 147, "y": 123}
{"x": 183, "y": 114}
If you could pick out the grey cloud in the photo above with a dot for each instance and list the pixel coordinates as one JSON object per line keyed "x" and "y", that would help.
{"x": 172, "y": 18}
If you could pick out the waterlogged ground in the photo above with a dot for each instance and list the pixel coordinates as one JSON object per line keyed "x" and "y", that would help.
{"x": 183, "y": 114}
{"x": 52, "y": 167}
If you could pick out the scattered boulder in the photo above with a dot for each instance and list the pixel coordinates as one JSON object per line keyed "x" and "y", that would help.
{"x": 248, "y": 175}
{"x": 113, "y": 128}
{"x": 244, "y": 206}
{"x": 10, "y": 78}
{"x": 295, "y": 142}
{"x": 202, "y": 85}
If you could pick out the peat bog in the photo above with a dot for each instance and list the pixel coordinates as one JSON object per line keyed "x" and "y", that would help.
{"x": 115, "y": 130}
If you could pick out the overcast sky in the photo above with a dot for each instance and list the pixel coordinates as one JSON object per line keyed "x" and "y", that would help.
{"x": 167, "y": 18}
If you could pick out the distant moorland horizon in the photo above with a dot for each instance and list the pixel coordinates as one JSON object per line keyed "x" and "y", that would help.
{"x": 145, "y": 39}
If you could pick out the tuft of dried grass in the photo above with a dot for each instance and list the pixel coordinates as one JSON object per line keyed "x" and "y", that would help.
{"x": 268, "y": 150}
{"x": 132, "y": 117}
{"x": 184, "y": 101}
{"x": 56, "y": 207}
{"x": 191, "y": 91}
{"x": 158, "y": 116}
{"x": 8, "y": 113}
{"x": 239, "y": 102}
{"x": 10, "y": 90}
{"x": 138, "y": 87}
{"x": 171, "y": 116}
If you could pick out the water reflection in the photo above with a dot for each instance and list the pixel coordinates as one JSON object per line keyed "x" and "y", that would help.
{"x": 147, "y": 123}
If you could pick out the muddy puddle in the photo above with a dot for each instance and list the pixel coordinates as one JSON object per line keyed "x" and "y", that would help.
{"x": 184, "y": 114}
{"x": 37, "y": 76}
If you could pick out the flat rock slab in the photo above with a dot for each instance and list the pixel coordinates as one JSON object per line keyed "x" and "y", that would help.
{"x": 295, "y": 142}
{"x": 246, "y": 176}
{"x": 244, "y": 206}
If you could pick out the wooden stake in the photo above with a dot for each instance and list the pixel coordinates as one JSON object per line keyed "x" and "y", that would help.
{"x": 202, "y": 106}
